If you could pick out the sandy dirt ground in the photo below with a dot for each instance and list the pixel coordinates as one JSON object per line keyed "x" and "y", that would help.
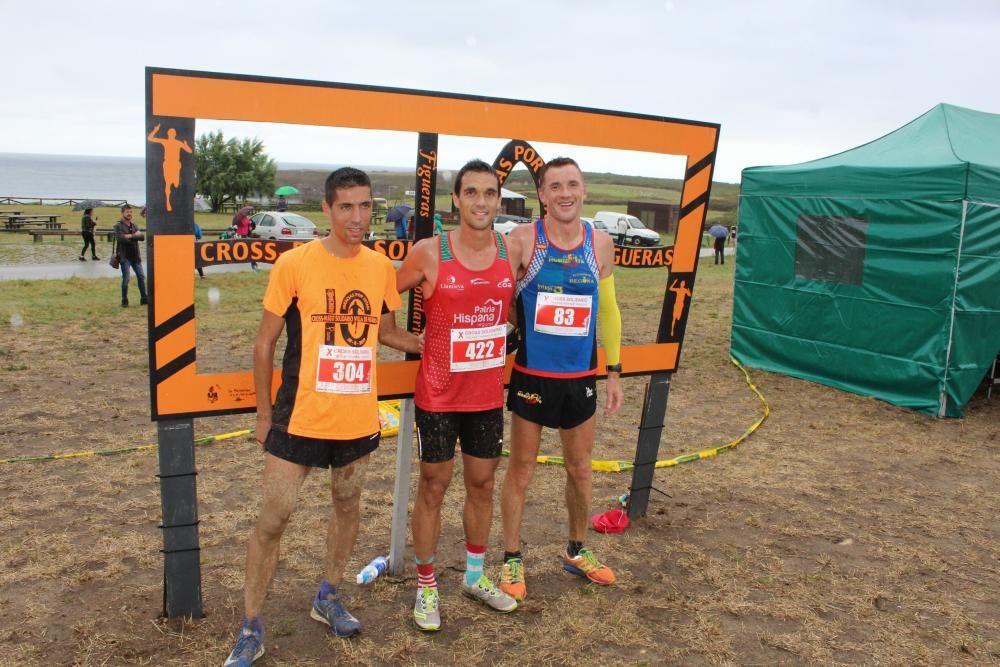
{"x": 845, "y": 531}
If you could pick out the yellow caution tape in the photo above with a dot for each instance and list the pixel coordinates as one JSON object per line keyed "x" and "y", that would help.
{"x": 388, "y": 416}
{"x": 122, "y": 450}
{"x": 623, "y": 466}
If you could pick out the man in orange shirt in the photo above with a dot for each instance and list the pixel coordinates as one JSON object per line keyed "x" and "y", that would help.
{"x": 335, "y": 299}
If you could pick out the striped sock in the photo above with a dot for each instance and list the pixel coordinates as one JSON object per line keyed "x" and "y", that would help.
{"x": 425, "y": 573}
{"x": 474, "y": 557}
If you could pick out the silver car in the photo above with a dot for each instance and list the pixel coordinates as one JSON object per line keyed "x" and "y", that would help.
{"x": 283, "y": 226}
{"x": 505, "y": 223}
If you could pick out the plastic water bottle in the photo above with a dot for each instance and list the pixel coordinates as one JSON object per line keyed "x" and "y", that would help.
{"x": 370, "y": 572}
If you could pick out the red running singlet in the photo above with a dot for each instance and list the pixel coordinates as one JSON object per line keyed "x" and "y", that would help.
{"x": 465, "y": 335}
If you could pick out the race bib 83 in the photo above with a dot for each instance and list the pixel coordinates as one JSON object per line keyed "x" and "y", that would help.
{"x": 563, "y": 314}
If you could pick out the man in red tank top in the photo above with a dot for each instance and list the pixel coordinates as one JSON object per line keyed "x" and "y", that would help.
{"x": 468, "y": 283}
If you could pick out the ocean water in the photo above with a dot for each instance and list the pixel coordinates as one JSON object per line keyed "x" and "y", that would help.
{"x": 29, "y": 176}
{"x": 72, "y": 177}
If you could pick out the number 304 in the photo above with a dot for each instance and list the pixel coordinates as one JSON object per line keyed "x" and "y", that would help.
{"x": 348, "y": 371}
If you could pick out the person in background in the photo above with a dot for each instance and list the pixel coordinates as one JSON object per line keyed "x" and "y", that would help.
{"x": 243, "y": 232}
{"x": 197, "y": 237}
{"x": 438, "y": 226}
{"x": 282, "y": 204}
{"x": 127, "y": 237}
{"x": 87, "y": 226}
{"x": 325, "y": 414}
{"x": 401, "y": 228}
{"x": 720, "y": 249}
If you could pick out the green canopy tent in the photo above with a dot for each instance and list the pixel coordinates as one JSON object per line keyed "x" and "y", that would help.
{"x": 877, "y": 270}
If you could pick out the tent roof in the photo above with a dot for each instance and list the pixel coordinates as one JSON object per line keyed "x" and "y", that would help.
{"x": 510, "y": 194}
{"x": 948, "y": 153}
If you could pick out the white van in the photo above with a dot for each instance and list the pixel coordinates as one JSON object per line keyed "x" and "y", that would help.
{"x": 627, "y": 229}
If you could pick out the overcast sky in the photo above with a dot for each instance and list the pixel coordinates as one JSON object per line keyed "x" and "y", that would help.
{"x": 788, "y": 81}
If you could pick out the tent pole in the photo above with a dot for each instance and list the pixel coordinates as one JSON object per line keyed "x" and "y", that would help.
{"x": 943, "y": 399}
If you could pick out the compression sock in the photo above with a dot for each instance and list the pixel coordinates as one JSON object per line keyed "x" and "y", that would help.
{"x": 425, "y": 573}
{"x": 574, "y": 548}
{"x": 474, "y": 557}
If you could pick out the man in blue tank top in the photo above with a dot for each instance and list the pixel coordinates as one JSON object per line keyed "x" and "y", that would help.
{"x": 565, "y": 285}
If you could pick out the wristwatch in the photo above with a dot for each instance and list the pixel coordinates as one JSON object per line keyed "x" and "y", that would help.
{"x": 615, "y": 368}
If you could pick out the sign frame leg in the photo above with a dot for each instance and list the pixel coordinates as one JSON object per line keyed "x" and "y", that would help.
{"x": 654, "y": 413}
{"x": 179, "y": 508}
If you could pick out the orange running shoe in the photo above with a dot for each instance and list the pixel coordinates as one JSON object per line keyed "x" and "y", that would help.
{"x": 512, "y": 579}
{"x": 586, "y": 565}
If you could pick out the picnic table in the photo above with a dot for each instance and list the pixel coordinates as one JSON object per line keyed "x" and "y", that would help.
{"x": 230, "y": 207}
{"x": 11, "y": 212}
{"x": 19, "y": 221}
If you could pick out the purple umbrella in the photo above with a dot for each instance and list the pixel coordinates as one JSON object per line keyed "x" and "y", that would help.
{"x": 718, "y": 231}
{"x": 398, "y": 212}
{"x": 240, "y": 213}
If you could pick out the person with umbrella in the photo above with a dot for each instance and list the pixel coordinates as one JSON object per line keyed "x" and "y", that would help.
{"x": 87, "y": 226}
{"x": 398, "y": 214}
{"x": 282, "y": 192}
{"x": 241, "y": 221}
{"x": 720, "y": 234}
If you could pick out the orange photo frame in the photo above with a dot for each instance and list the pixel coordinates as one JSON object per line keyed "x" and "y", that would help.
{"x": 179, "y": 391}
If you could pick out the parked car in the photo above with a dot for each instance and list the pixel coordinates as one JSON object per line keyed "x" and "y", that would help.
{"x": 596, "y": 224}
{"x": 628, "y": 228}
{"x": 504, "y": 223}
{"x": 282, "y": 226}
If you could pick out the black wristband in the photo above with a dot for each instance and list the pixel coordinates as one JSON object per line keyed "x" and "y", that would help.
{"x": 614, "y": 368}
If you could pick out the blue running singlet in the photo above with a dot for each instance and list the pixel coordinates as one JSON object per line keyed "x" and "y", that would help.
{"x": 557, "y": 308}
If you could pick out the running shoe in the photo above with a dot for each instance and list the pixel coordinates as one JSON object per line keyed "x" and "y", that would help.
{"x": 586, "y": 565}
{"x": 331, "y": 611}
{"x": 249, "y": 645}
{"x": 512, "y": 579}
{"x": 486, "y": 592}
{"x": 427, "y": 609}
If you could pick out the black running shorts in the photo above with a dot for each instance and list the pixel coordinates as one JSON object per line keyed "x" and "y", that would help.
{"x": 481, "y": 434}
{"x": 552, "y": 402}
{"x": 319, "y": 453}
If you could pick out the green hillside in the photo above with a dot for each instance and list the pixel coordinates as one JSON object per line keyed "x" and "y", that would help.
{"x": 604, "y": 191}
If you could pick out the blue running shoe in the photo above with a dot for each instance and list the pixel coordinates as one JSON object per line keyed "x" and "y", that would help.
{"x": 249, "y": 644}
{"x": 328, "y": 607}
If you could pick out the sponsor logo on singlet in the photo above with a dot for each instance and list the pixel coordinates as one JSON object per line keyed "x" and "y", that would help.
{"x": 484, "y": 315}
{"x": 354, "y": 317}
{"x": 530, "y": 398}
{"x": 451, "y": 283}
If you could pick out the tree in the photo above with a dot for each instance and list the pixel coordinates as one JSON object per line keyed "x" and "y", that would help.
{"x": 227, "y": 171}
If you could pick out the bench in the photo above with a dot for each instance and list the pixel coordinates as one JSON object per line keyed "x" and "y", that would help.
{"x": 38, "y": 234}
{"x": 233, "y": 208}
{"x": 21, "y": 221}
